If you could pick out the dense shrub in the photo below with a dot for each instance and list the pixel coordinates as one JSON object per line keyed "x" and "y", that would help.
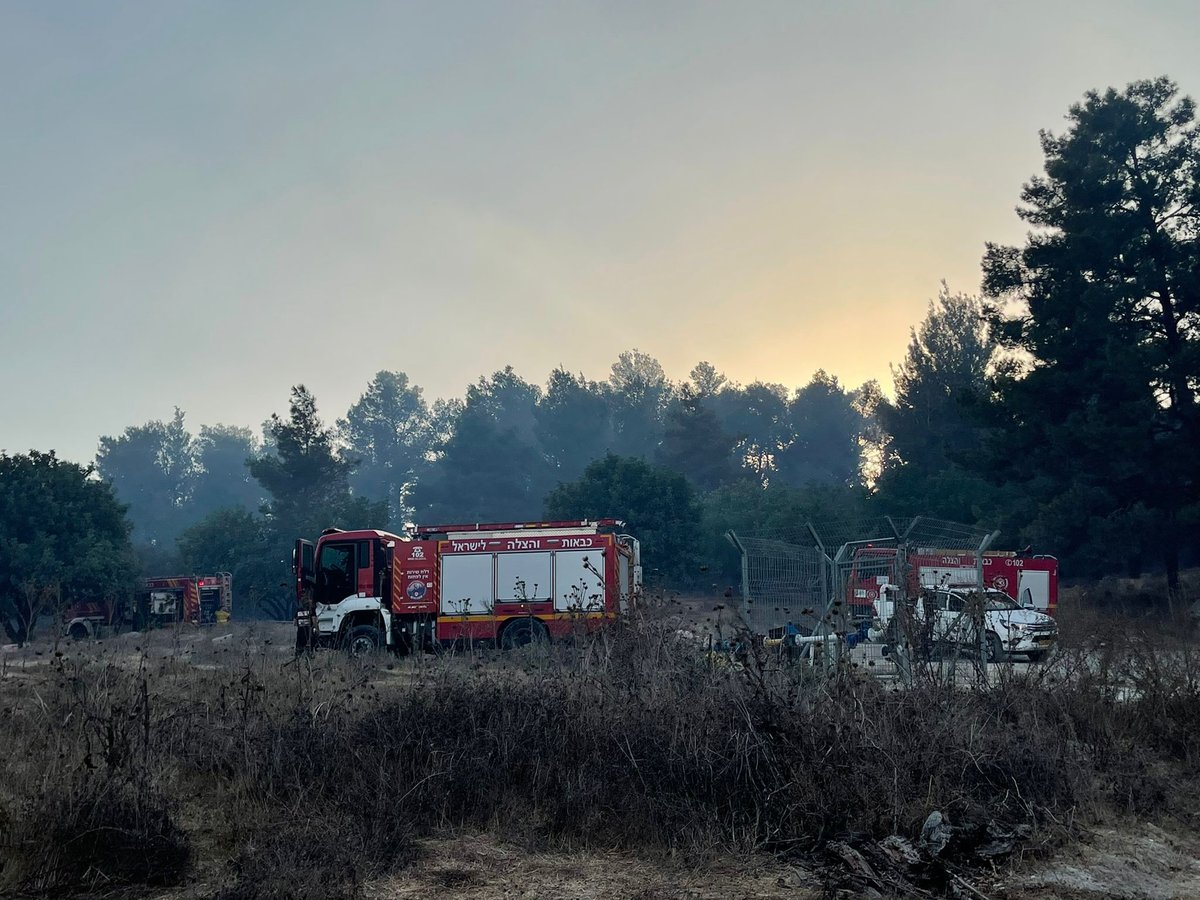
{"x": 87, "y": 833}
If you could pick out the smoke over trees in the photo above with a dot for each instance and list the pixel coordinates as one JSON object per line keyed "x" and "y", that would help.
{"x": 389, "y": 434}
{"x": 1063, "y": 409}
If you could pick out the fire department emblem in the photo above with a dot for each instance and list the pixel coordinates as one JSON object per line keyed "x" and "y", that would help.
{"x": 1000, "y": 582}
{"x": 416, "y": 590}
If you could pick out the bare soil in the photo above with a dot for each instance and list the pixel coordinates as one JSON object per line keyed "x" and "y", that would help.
{"x": 483, "y": 870}
{"x": 1135, "y": 860}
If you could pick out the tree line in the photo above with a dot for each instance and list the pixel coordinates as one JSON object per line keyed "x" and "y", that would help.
{"x": 1060, "y": 406}
{"x": 508, "y": 450}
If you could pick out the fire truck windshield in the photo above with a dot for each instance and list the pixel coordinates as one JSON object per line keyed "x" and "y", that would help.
{"x": 335, "y": 573}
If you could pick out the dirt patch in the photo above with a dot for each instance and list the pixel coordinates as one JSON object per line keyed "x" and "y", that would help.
{"x": 1135, "y": 861}
{"x": 481, "y": 869}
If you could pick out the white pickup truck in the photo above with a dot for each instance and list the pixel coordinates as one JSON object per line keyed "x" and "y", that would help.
{"x": 1009, "y": 628}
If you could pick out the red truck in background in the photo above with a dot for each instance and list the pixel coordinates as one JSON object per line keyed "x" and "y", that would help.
{"x": 511, "y": 583}
{"x": 1030, "y": 580}
{"x": 1019, "y": 598}
{"x": 160, "y": 601}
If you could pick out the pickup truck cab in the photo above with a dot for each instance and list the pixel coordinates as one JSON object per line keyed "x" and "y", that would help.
{"x": 1009, "y": 627}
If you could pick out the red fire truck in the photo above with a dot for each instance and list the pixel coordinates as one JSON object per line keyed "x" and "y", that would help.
{"x": 1032, "y": 581}
{"x": 194, "y": 599}
{"x": 511, "y": 583}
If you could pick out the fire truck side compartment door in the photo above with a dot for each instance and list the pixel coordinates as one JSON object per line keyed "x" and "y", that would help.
{"x": 578, "y": 584}
{"x": 467, "y": 584}
{"x": 523, "y": 577}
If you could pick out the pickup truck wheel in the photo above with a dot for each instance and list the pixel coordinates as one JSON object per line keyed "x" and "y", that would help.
{"x": 520, "y": 632}
{"x": 994, "y": 649}
{"x": 363, "y": 640}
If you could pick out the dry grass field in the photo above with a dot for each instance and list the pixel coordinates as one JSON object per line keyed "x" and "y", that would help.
{"x": 213, "y": 762}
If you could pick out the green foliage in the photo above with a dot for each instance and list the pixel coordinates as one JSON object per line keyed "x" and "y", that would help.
{"x": 509, "y": 400}
{"x": 944, "y": 373}
{"x": 657, "y": 504}
{"x": 171, "y": 480}
{"x": 308, "y": 482}
{"x": 223, "y": 479}
{"x": 490, "y": 466}
{"x": 250, "y": 548}
{"x": 63, "y": 539}
{"x": 574, "y": 423}
{"x": 694, "y": 444}
{"x": 388, "y": 432}
{"x": 757, "y": 416}
{"x": 152, "y": 468}
{"x": 826, "y": 428}
{"x": 309, "y": 487}
{"x": 640, "y": 392}
{"x": 1105, "y": 301}
{"x": 706, "y": 381}
{"x": 485, "y": 473}
{"x": 935, "y": 426}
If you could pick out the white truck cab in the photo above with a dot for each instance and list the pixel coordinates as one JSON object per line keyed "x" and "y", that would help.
{"x": 1009, "y": 628}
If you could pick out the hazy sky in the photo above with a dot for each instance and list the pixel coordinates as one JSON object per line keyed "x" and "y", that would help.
{"x": 205, "y": 203}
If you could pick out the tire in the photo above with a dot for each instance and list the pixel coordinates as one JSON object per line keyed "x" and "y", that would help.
{"x": 522, "y": 632}
{"x": 78, "y": 632}
{"x": 994, "y": 649}
{"x": 362, "y": 641}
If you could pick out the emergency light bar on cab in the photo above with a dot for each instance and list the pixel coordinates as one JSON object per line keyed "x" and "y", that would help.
{"x": 508, "y": 582}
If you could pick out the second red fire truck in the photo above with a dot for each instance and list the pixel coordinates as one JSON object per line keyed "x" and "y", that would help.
{"x": 511, "y": 583}
{"x": 1030, "y": 580}
{"x": 158, "y": 602}
{"x": 1020, "y": 594}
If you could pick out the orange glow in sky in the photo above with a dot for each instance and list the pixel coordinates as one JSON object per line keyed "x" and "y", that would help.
{"x": 207, "y": 203}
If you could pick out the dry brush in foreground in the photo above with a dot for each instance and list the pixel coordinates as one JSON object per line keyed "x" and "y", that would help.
{"x": 311, "y": 777}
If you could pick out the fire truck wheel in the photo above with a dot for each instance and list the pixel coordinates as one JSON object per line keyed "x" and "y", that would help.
{"x": 995, "y": 650}
{"x": 363, "y": 640}
{"x": 78, "y": 632}
{"x": 520, "y": 632}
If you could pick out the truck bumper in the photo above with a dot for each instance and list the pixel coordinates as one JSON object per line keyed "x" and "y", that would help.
{"x": 1031, "y": 643}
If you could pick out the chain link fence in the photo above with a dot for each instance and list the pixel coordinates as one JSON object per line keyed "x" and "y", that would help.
{"x": 840, "y": 592}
